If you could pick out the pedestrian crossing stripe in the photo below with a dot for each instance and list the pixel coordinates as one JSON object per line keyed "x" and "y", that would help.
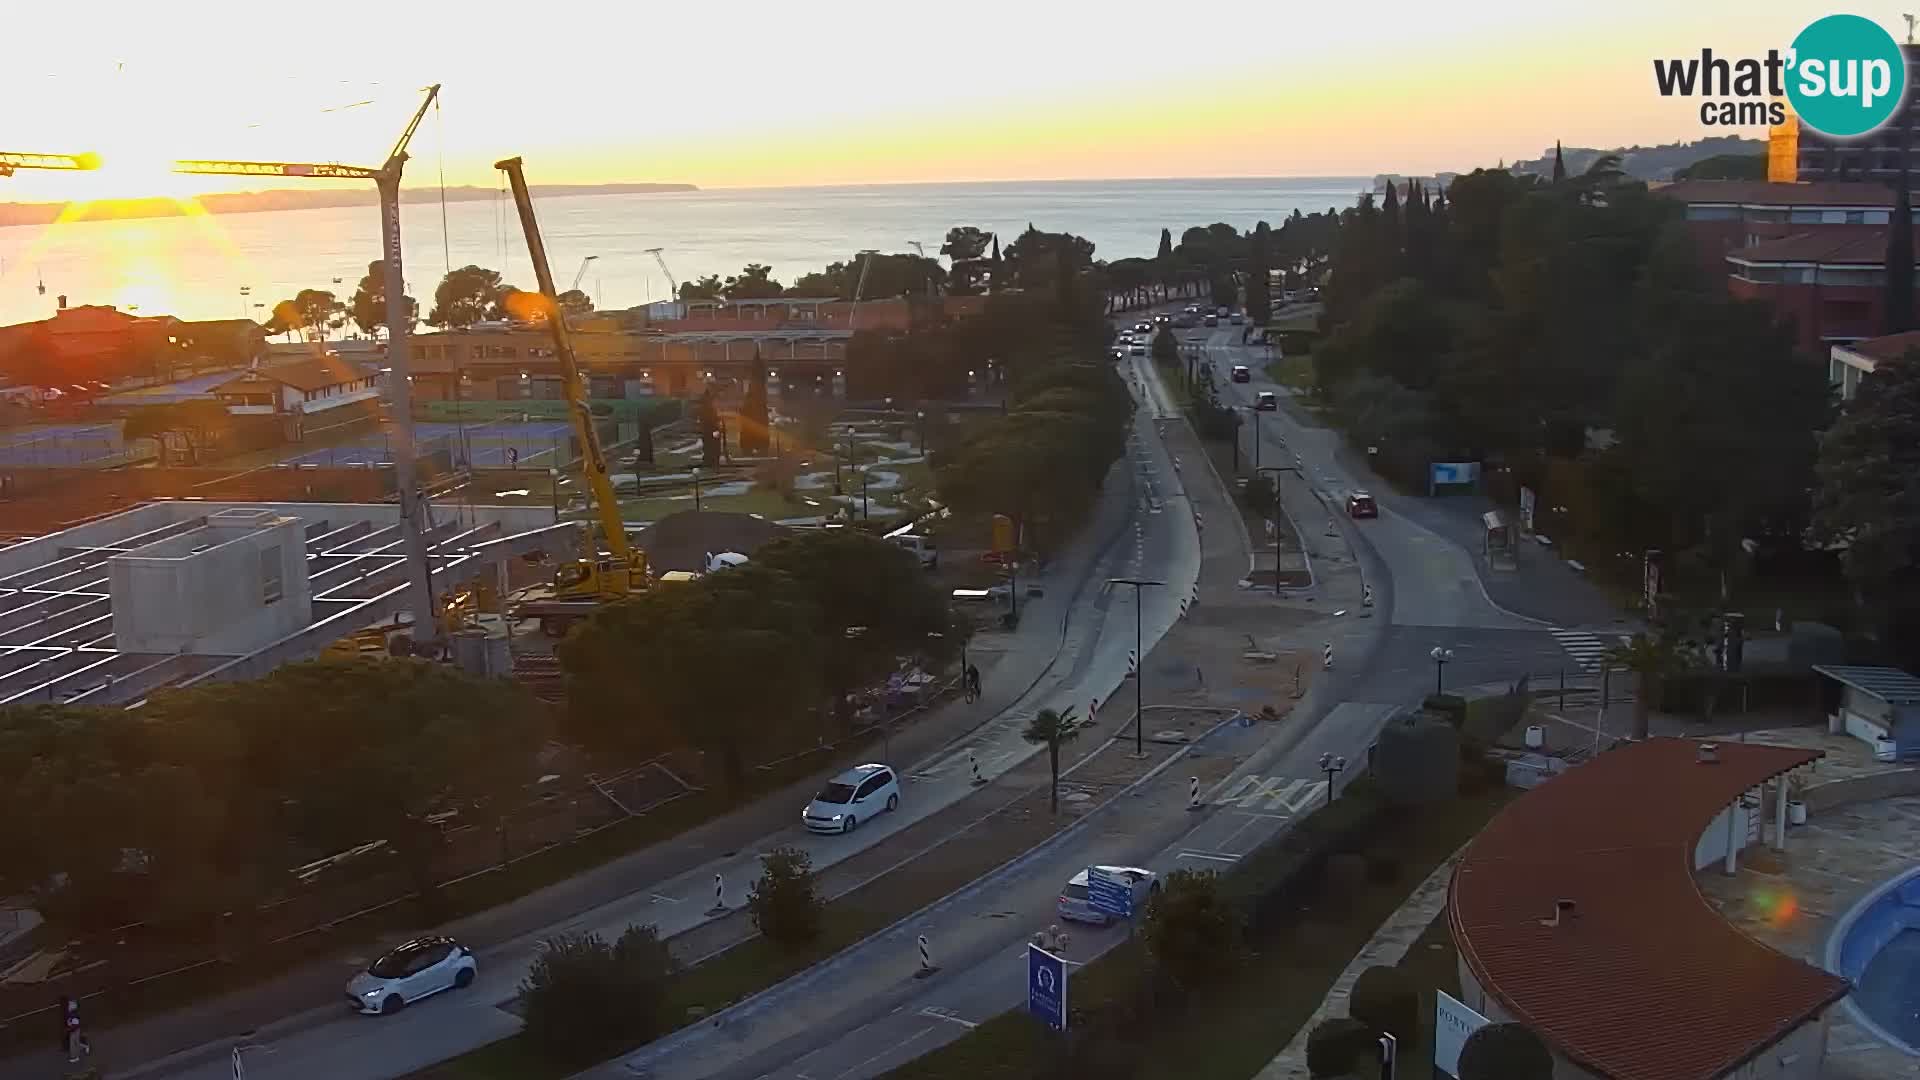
{"x": 1588, "y": 650}
{"x": 1274, "y": 794}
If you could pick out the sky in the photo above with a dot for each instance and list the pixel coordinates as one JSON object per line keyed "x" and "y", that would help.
{"x": 755, "y": 94}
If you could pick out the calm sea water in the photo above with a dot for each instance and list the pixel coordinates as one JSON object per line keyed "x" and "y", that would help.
{"x": 196, "y": 267}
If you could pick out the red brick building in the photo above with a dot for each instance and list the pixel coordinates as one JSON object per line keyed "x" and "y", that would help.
{"x": 1725, "y": 215}
{"x": 1832, "y": 284}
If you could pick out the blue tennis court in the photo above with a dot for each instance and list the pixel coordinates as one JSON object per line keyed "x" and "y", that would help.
{"x": 55, "y": 445}
{"x": 540, "y": 444}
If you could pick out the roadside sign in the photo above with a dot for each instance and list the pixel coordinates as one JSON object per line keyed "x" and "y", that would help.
{"x": 1453, "y": 1021}
{"x": 239, "y": 1070}
{"x": 1108, "y": 894}
{"x": 1047, "y": 987}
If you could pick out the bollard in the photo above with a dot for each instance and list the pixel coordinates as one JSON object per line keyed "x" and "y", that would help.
{"x": 1133, "y": 662}
{"x": 1093, "y": 712}
{"x": 973, "y": 765}
{"x": 1326, "y": 659}
{"x": 719, "y": 896}
{"x": 1366, "y": 595}
{"x": 1193, "y": 793}
{"x": 927, "y": 966}
{"x": 1297, "y": 688}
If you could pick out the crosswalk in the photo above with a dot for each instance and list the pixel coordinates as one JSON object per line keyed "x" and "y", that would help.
{"x": 1274, "y": 794}
{"x": 1587, "y": 649}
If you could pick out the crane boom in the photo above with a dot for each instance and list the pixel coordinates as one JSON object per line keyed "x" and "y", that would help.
{"x": 582, "y": 272}
{"x": 673, "y": 287}
{"x": 325, "y": 171}
{"x": 593, "y": 461}
{"x": 10, "y": 161}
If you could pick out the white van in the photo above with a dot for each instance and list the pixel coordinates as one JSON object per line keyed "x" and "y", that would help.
{"x": 923, "y": 548}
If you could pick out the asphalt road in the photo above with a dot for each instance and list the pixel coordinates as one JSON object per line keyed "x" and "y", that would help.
{"x": 1429, "y": 593}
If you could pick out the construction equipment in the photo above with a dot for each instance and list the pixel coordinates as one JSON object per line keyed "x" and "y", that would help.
{"x": 10, "y": 161}
{"x": 673, "y": 287}
{"x": 598, "y": 578}
{"x": 584, "y": 263}
{"x": 387, "y": 179}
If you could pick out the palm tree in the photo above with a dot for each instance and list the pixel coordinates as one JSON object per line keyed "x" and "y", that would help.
{"x": 1651, "y": 658}
{"x": 1054, "y": 729}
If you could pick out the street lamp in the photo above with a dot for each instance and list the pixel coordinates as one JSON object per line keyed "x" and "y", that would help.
{"x": 1140, "y": 663}
{"x": 1333, "y": 765}
{"x": 1258, "y": 470}
{"x": 1440, "y": 658}
{"x": 720, "y": 441}
{"x": 866, "y": 502}
{"x": 920, "y": 419}
{"x": 553, "y": 481}
{"x": 696, "y": 489}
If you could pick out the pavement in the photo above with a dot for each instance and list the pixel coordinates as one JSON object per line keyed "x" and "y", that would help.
{"x": 1072, "y": 646}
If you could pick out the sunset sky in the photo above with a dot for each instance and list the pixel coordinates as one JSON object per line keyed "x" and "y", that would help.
{"x": 854, "y": 91}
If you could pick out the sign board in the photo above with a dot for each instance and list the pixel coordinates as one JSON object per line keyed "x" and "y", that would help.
{"x": 1047, "y": 987}
{"x": 1452, "y": 1023}
{"x": 1109, "y": 894}
{"x": 1452, "y": 473}
{"x": 1526, "y": 510}
{"x": 1003, "y": 539}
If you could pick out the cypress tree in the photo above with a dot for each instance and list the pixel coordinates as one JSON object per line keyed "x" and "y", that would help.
{"x": 1559, "y": 163}
{"x": 1899, "y": 300}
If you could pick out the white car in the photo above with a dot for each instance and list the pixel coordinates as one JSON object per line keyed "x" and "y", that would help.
{"x": 1075, "y": 903}
{"x": 857, "y": 795}
{"x": 420, "y": 968}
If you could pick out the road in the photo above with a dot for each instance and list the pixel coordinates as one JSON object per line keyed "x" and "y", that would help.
{"x": 1430, "y": 593}
{"x": 1093, "y": 661}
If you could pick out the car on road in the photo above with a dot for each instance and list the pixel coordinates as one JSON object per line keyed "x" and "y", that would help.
{"x": 924, "y": 548}
{"x": 1213, "y": 320}
{"x": 857, "y": 795}
{"x": 1143, "y": 327}
{"x": 1119, "y": 354}
{"x": 1191, "y": 309}
{"x": 1137, "y": 349}
{"x": 1361, "y": 505}
{"x": 1237, "y": 319}
{"x": 1077, "y": 905}
{"x": 1241, "y": 374}
{"x": 1266, "y": 402}
{"x": 417, "y": 969}
{"x": 1161, "y": 318}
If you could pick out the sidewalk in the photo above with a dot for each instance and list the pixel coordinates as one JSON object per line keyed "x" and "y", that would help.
{"x": 303, "y": 998}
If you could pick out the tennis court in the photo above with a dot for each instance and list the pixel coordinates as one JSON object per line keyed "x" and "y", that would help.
{"x": 44, "y": 446}
{"x": 499, "y": 445}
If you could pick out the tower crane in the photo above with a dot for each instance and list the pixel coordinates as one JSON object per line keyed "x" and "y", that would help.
{"x": 673, "y": 287}
{"x": 9, "y": 161}
{"x": 593, "y": 580}
{"x": 386, "y": 178}
{"x": 582, "y": 272}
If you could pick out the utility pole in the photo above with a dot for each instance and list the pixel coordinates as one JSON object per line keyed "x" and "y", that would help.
{"x": 1140, "y": 663}
{"x": 1277, "y": 469}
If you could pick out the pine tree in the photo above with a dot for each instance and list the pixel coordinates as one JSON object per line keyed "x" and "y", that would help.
{"x": 754, "y": 436}
{"x": 1559, "y": 163}
{"x": 1391, "y": 236}
{"x": 1899, "y": 301}
{"x": 1259, "y": 299}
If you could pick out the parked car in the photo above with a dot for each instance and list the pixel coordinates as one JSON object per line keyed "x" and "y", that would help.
{"x": 1241, "y": 374}
{"x": 924, "y": 548}
{"x": 1361, "y": 505}
{"x": 1266, "y": 402}
{"x": 417, "y": 969}
{"x": 856, "y": 795}
{"x": 1236, "y": 319}
{"x": 1075, "y": 903}
{"x": 1191, "y": 309}
{"x": 1137, "y": 350}
{"x": 1213, "y": 320}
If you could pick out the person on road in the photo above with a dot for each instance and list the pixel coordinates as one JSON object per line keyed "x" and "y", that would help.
{"x": 70, "y": 1037}
{"x": 973, "y": 683}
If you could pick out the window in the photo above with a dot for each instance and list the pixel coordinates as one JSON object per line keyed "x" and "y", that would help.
{"x": 1838, "y": 275}
{"x": 1698, "y": 212}
{"x": 1876, "y": 217}
{"x": 270, "y": 584}
{"x": 1771, "y": 216}
{"x": 1806, "y": 217}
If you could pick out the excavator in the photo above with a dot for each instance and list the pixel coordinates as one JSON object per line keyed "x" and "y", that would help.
{"x": 618, "y": 569}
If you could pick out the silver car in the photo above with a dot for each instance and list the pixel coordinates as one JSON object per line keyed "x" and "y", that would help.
{"x": 1076, "y": 905}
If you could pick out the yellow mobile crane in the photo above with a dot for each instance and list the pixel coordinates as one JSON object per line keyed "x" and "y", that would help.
{"x": 589, "y": 582}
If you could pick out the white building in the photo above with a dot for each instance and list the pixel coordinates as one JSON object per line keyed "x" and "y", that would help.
{"x": 1848, "y": 364}
{"x": 304, "y": 388}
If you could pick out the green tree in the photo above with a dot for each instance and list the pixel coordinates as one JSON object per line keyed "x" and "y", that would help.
{"x": 755, "y": 435}
{"x": 369, "y": 304}
{"x": 312, "y": 310}
{"x": 706, "y": 417}
{"x": 196, "y": 421}
{"x": 1725, "y": 167}
{"x": 663, "y": 670}
{"x": 1259, "y": 301}
{"x": 1899, "y": 301}
{"x": 1226, "y": 291}
{"x": 1651, "y": 658}
{"x": 1386, "y": 1000}
{"x": 1191, "y": 929}
{"x": 709, "y": 287}
{"x": 1505, "y": 1051}
{"x": 1869, "y": 496}
{"x": 586, "y": 999}
{"x": 1337, "y": 1046}
{"x": 785, "y": 907}
{"x": 1166, "y": 348}
{"x": 753, "y": 282}
{"x": 966, "y": 249}
{"x": 466, "y": 296}
{"x": 575, "y": 302}
{"x": 1053, "y": 729}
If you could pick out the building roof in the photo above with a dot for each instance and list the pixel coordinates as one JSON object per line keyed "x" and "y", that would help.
{"x": 306, "y": 375}
{"x": 1850, "y": 248}
{"x": 766, "y": 300}
{"x": 1888, "y": 348}
{"x": 1642, "y": 979}
{"x": 1891, "y": 685}
{"x": 1829, "y": 193}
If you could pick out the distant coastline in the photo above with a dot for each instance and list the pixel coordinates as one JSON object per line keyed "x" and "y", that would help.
{"x": 258, "y": 202}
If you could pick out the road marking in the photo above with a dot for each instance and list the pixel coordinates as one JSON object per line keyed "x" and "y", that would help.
{"x": 1209, "y": 855}
{"x": 1282, "y": 793}
{"x": 1587, "y": 650}
{"x": 915, "y": 1037}
{"x": 947, "y": 1015}
{"x": 658, "y": 899}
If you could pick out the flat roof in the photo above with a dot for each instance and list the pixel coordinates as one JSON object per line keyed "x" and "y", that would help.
{"x": 1642, "y": 978}
{"x": 1825, "y": 193}
{"x": 1889, "y": 684}
{"x": 1850, "y": 248}
{"x": 1890, "y": 347}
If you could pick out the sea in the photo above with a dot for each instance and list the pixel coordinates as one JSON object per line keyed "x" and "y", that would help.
{"x": 208, "y": 266}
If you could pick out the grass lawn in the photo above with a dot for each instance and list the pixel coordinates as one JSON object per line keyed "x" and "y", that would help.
{"x": 1235, "y": 1028}
{"x": 768, "y": 504}
{"x": 1295, "y": 371}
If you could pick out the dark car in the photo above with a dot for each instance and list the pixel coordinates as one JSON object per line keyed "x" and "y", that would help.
{"x": 1241, "y": 374}
{"x": 1361, "y": 505}
{"x": 1266, "y": 402}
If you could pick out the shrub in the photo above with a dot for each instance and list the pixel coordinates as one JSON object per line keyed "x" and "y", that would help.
{"x": 1453, "y": 707}
{"x": 1384, "y": 999}
{"x": 1337, "y": 1046}
{"x": 1191, "y": 930}
{"x": 586, "y": 999}
{"x": 1505, "y": 1052}
{"x": 1383, "y": 869}
{"x": 785, "y": 907}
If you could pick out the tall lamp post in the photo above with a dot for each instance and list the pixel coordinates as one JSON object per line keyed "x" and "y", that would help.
{"x": 920, "y": 419}
{"x": 696, "y": 489}
{"x": 1440, "y": 658}
{"x": 1294, "y": 469}
{"x": 1333, "y": 765}
{"x": 553, "y": 481}
{"x": 1140, "y": 663}
{"x": 866, "y": 502}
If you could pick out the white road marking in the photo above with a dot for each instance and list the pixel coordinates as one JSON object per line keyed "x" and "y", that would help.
{"x": 947, "y": 1015}
{"x": 1209, "y": 855}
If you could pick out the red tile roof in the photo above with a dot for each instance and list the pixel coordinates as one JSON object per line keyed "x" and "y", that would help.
{"x": 1891, "y": 347}
{"x": 306, "y": 375}
{"x": 1830, "y": 248}
{"x": 1832, "y": 193}
{"x": 1643, "y": 980}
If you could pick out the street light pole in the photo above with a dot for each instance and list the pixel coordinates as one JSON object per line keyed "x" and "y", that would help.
{"x": 1333, "y": 765}
{"x": 696, "y": 489}
{"x": 1440, "y": 658}
{"x": 1277, "y": 469}
{"x": 1140, "y": 663}
{"x": 866, "y": 502}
